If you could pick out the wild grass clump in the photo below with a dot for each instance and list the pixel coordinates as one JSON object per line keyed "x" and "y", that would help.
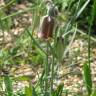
{"x": 50, "y": 50}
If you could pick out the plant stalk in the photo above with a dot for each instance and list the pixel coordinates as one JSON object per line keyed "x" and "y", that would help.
{"x": 52, "y": 74}
{"x": 46, "y": 73}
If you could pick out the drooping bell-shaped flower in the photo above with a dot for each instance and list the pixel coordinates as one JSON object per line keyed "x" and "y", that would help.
{"x": 47, "y": 27}
{"x": 48, "y": 23}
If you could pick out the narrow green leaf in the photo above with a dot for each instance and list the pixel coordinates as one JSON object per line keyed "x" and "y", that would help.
{"x": 93, "y": 93}
{"x": 34, "y": 41}
{"x": 34, "y": 92}
{"x": 87, "y": 78}
{"x": 22, "y": 78}
{"x": 8, "y": 84}
{"x": 58, "y": 91}
{"x": 82, "y": 8}
{"x": 28, "y": 91}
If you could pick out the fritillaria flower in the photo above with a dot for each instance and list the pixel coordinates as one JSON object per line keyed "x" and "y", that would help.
{"x": 47, "y": 27}
{"x": 48, "y": 22}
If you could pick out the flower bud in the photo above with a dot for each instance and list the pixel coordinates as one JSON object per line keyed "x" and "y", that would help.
{"x": 59, "y": 48}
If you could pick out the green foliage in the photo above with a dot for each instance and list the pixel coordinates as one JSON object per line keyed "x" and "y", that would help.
{"x": 28, "y": 91}
{"x": 31, "y": 50}
{"x": 93, "y": 93}
{"x": 8, "y": 85}
{"x": 5, "y": 24}
{"x": 59, "y": 48}
{"x": 87, "y": 78}
{"x": 58, "y": 91}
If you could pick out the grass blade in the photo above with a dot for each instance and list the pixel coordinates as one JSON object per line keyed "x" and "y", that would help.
{"x": 58, "y": 92}
{"x": 82, "y": 8}
{"x": 93, "y": 93}
{"x": 87, "y": 78}
{"x": 8, "y": 84}
{"x": 28, "y": 91}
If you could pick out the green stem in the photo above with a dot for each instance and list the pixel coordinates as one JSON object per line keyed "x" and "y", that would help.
{"x": 46, "y": 72}
{"x": 52, "y": 75}
{"x": 92, "y": 18}
{"x": 16, "y": 13}
{"x": 89, "y": 47}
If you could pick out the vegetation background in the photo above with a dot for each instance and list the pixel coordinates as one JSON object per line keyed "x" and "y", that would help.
{"x": 60, "y": 63}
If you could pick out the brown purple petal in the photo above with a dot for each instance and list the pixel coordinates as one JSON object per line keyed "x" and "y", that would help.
{"x": 47, "y": 27}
